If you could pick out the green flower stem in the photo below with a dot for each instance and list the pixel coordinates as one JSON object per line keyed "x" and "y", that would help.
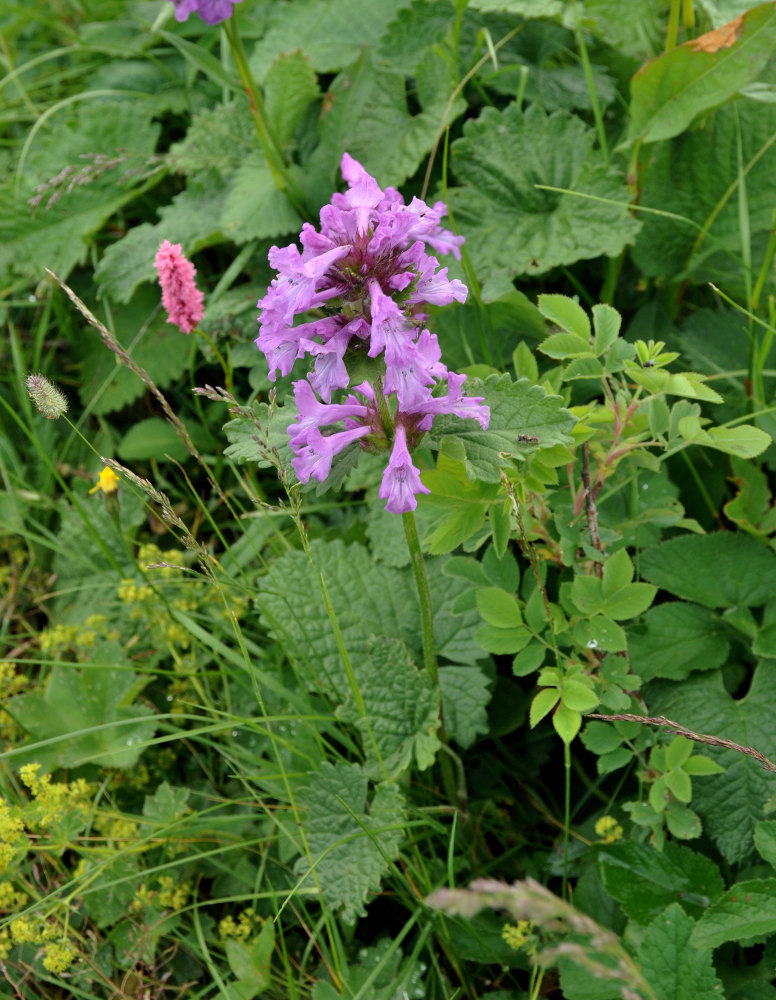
{"x": 221, "y": 360}
{"x": 455, "y": 791}
{"x": 269, "y": 143}
{"x": 424, "y": 597}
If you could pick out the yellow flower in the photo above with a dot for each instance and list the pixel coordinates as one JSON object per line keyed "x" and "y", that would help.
{"x": 516, "y": 935}
{"x": 608, "y": 829}
{"x": 58, "y": 958}
{"x": 108, "y": 482}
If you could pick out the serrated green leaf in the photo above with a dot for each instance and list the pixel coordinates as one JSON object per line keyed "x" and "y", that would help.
{"x": 617, "y": 573}
{"x": 765, "y": 840}
{"x": 289, "y": 86}
{"x": 718, "y": 570}
{"x": 465, "y": 697}
{"x": 528, "y": 660}
{"x": 516, "y": 408}
{"x": 730, "y": 804}
{"x": 167, "y": 804}
{"x": 98, "y": 698}
{"x": 151, "y": 438}
{"x": 509, "y": 223}
{"x": 743, "y": 441}
{"x": 566, "y": 722}
{"x": 601, "y": 737}
{"x": 678, "y": 751}
{"x": 543, "y": 703}
{"x": 565, "y": 345}
{"x": 498, "y": 640}
{"x": 671, "y": 90}
{"x": 254, "y": 207}
{"x": 351, "y": 843}
{"x": 402, "y": 710}
{"x": 682, "y": 822}
{"x": 384, "y": 603}
{"x": 413, "y": 31}
{"x": 646, "y": 880}
{"x": 250, "y": 961}
{"x": 679, "y": 784}
{"x": 606, "y": 323}
{"x": 629, "y": 602}
{"x": 587, "y": 594}
{"x": 58, "y": 236}
{"x": 567, "y": 314}
{"x": 701, "y": 765}
{"x": 600, "y": 632}
{"x": 747, "y": 910}
{"x": 673, "y": 964}
{"x": 579, "y": 696}
{"x": 498, "y": 607}
{"x": 675, "y": 639}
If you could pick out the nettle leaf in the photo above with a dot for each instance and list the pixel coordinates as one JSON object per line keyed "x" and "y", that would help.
{"x": 98, "y": 698}
{"x": 646, "y": 880}
{"x": 250, "y": 438}
{"x": 674, "y": 963}
{"x": 510, "y": 224}
{"x": 289, "y": 86}
{"x": 730, "y": 804}
{"x": 718, "y": 570}
{"x": 414, "y": 30}
{"x": 254, "y": 207}
{"x": 518, "y": 411}
{"x": 675, "y": 639}
{"x": 465, "y": 697}
{"x": 747, "y": 910}
{"x": 368, "y": 600}
{"x": 402, "y": 708}
{"x": 678, "y": 181}
{"x": 193, "y": 219}
{"x": 668, "y": 92}
{"x": 58, "y": 237}
{"x": 351, "y": 843}
{"x": 349, "y": 27}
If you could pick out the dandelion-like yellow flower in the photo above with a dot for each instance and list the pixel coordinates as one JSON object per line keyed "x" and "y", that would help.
{"x": 608, "y": 829}
{"x": 107, "y": 483}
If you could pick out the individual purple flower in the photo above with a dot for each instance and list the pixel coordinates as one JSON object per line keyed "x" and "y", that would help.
{"x": 362, "y": 284}
{"x": 401, "y": 480}
{"x": 211, "y": 11}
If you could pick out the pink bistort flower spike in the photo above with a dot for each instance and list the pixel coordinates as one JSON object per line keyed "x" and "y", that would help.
{"x": 180, "y": 296}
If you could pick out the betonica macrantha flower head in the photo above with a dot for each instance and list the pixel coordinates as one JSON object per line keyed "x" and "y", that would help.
{"x": 364, "y": 281}
{"x": 211, "y": 11}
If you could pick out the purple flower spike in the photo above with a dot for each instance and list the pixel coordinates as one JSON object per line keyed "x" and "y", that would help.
{"x": 362, "y": 284}
{"x": 211, "y": 11}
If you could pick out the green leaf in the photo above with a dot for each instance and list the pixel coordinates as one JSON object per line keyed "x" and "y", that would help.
{"x": 58, "y": 236}
{"x": 383, "y": 603}
{"x": 701, "y": 765}
{"x": 567, "y": 721}
{"x": 747, "y": 910}
{"x": 413, "y": 31}
{"x": 682, "y": 822}
{"x": 646, "y": 880}
{"x": 565, "y": 345}
{"x": 498, "y": 607}
{"x": 509, "y": 223}
{"x": 600, "y": 632}
{"x": 250, "y": 961}
{"x": 606, "y": 322}
{"x": 516, "y": 409}
{"x": 678, "y": 751}
{"x": 351, "y": 843}
{"x": 465, "y": 697}
{"x": 743, "y": 441}
{"x": 679, "y": 182}
{"x": 151, "y": 438}
{"x": 718, "y": 570}
{"x": 628, "y": 602}
{"x": 402, "y": 709}
{"x": 578, "y": 696}
{"x": 671, "y": 90}
{"x": 672, "y": 962}
{"x": 618, "y": 572}
{"x": 289, "y": 86}
{"x": 765, "y": 840}
{"x": 254, "y": 207}
{"x": 252, "y": 438}
{"x": 167, "y": 804}
{"x": 499, "y": 640}
{"x": 601, "y": 737}
{"x": 543, "y": 703}
{"x": 567, "y": 314}
{"x": 676, "y": 639}
{"x": 679, "y": 784}
{"x": 97, "y": 698}
{"x": 199, "y": 57}
{"x": 530, "y": 659}
{"x": 730, "y": 804}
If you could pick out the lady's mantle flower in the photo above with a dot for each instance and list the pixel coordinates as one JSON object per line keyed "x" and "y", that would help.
{"x": 180, "y": 296}
{"x": 365, "y": 279}
{"x": 211, "y": 11}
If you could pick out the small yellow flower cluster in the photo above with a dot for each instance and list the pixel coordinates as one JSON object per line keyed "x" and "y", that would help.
{"x": 11, "y": 832}
{"x": 517, "y": 935}
{"x": 84, "y": 636}
{"x": 27, "y": 929}
{"x": 11, "y": 683}
{"x": 150, "y": 555}
{"x": 132, "y": 593}
{"x": 171, "y": 896}
{"x": 53, "y": 799}
{"x": 118, "y": 830}
{"x": 608, "y": 829}
{"x": 242, "y": 928}
{"x": 58, "y": 957}
{"x": 11, "y": 899}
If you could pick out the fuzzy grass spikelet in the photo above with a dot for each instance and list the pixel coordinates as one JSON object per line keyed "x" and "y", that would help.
{"x": 48, "y": 399}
